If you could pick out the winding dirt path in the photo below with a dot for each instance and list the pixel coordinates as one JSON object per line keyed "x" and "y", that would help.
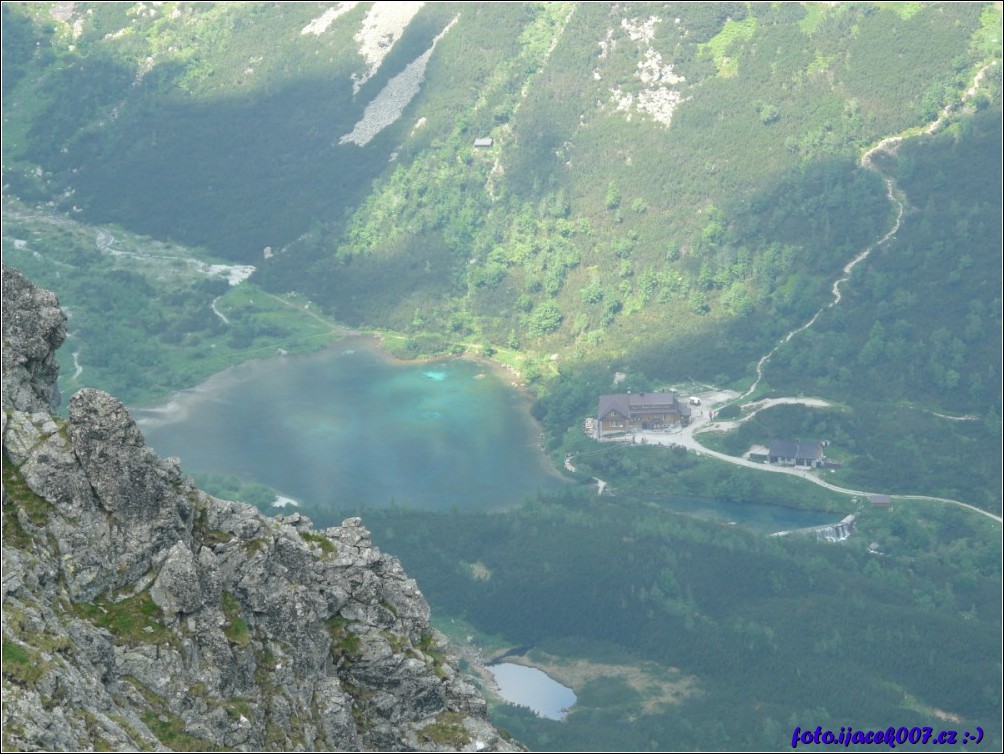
{"x": 686, "y": 437}
{"x": 895, "y": 196}
{"x": 217, "y": 312}
{"x": 890, "y": 192}
{"x": 334, "y": 327}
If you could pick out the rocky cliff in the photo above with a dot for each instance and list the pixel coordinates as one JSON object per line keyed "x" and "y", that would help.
{"x": 141, "y": 613}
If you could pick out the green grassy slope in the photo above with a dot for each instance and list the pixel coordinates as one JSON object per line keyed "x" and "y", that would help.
{"x": 671, "y": 187}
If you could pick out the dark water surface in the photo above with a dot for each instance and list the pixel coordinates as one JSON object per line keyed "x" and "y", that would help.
{"x": 766, "y": 519}
{"x": 349, "y": 426}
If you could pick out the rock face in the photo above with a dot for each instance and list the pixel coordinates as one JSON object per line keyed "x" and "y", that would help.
{"x": 33, "y": 321}
{"x": 140, "y": 612}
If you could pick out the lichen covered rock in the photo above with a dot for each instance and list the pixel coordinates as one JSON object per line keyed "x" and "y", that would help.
{"x": 140, "y": 612}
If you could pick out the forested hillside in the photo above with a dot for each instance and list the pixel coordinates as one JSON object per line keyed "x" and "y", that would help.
{"x": 657, "y": 193}
{"x": 651, "y": 164}
{"x": 771, "y": 632}
{"x": 669, "y": 189}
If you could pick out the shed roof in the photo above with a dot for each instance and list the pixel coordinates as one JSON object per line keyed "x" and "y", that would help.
{"x": 783, "y": 448}
{"x": 800, "y": 450}
{"x": 809, "y": 450}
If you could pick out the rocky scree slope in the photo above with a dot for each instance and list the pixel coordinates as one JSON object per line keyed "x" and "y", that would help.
{"x": 141, "y": 613}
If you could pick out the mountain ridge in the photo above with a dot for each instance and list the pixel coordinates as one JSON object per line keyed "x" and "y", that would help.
{"x": 140, "y": 612}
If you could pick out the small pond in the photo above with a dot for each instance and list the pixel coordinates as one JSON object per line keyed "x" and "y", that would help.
{"x": 765, "y": 519}
{"x": 533, "y": 688}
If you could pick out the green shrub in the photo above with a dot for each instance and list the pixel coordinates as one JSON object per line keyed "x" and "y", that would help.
{"x": 136, "y": 619}
{"x": 236, "y": 628}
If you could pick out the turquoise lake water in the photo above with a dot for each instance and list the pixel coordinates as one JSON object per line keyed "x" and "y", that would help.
{"x": 350, "y": 427}
{"x": 766, "y": 519}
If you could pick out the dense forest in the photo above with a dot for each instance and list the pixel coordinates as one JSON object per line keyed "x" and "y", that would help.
{"x": 668, "y": 190}
{"x": 814, "y": 632}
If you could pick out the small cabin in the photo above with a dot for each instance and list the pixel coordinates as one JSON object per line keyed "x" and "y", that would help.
{"x": 880, "y": 501}
{"x": 484, "y": 142}
{"x": 797, "y": 453}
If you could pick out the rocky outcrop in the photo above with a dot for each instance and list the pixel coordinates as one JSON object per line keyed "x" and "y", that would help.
{"x": 140, "y": 612}
{"x": 34, "y": 322}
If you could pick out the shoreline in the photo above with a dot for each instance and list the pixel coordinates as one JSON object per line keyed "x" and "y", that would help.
{"x": 506, "y": 372}
{"x": 179, "y": 405}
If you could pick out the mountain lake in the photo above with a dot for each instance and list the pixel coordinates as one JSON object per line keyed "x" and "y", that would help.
{"x": 350, "y": 427}
{"x": 533, "y": 688}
